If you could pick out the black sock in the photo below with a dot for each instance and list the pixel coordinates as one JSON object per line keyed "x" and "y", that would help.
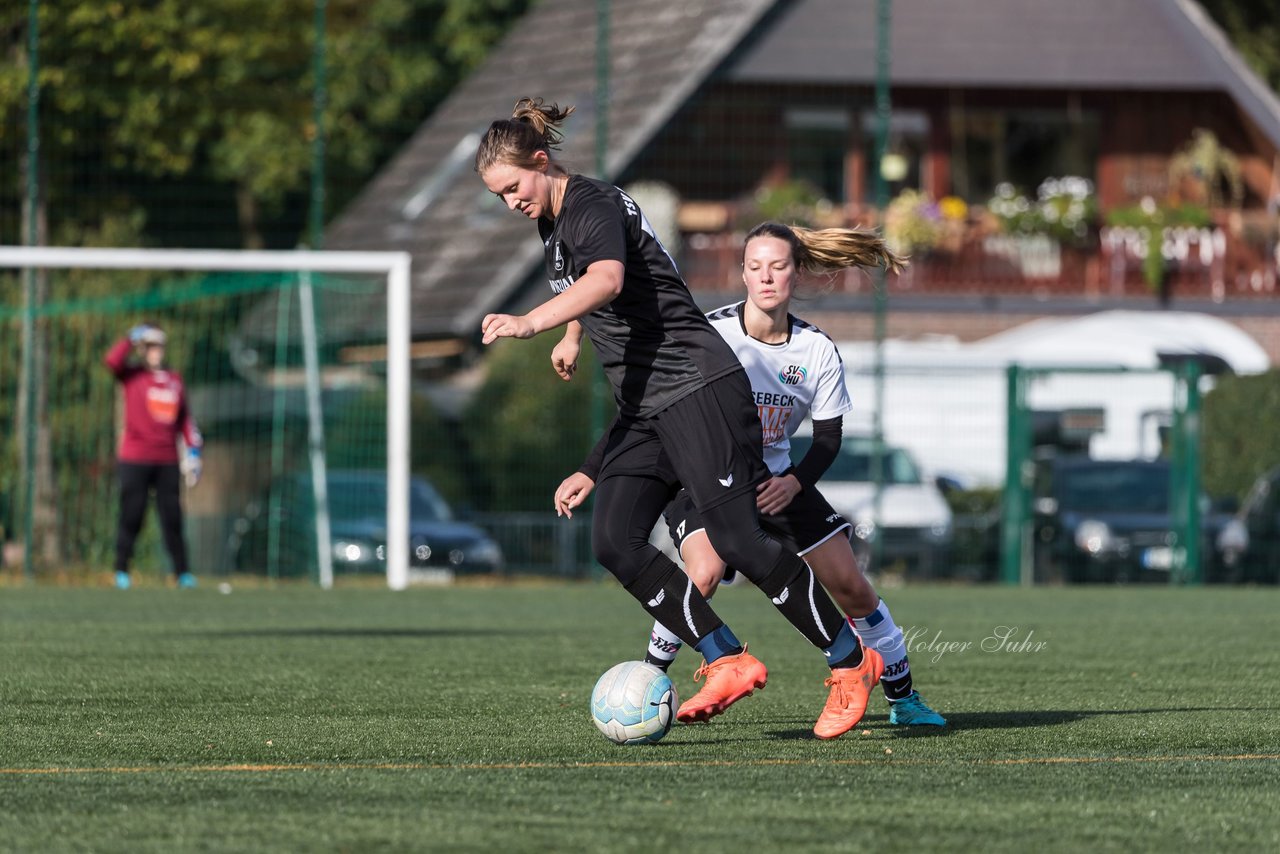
{"x": 897, "y": 689}
{"x": 660, "y": 663}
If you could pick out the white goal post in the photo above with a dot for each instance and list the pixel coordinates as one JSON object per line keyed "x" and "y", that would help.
{"x": 393, "y": 265}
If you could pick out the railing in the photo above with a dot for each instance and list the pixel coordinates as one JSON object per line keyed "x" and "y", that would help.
{"x": 542, "y": 543}
{"x": 1210, "y": 263}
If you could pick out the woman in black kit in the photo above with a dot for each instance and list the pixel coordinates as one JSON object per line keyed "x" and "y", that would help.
{"x": 685, "y": 417}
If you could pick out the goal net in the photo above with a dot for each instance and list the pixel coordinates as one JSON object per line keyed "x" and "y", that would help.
{"x": 296, "y": 368}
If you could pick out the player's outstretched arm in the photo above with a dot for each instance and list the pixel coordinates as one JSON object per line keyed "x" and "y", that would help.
{"x": 595, "y": 288}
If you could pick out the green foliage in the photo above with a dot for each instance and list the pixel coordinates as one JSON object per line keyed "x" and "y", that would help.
{"x": 1210, "y": 166}
{"x": 528, "y": 428}
{"x": 222, "y": 94}
{"x": 1235, "y": 450}
{"x": 792, "y": 203}
{"x": 357, "y": 433}
{"x": 1145, "y": 215}
{"x": 1253, "y": 26}
{"x": 1152, "y": 219}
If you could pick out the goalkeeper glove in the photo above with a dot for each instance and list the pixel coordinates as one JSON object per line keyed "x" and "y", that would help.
{"x": 192, "y": 466}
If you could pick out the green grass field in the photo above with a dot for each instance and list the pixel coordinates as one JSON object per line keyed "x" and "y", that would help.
{"x": 456, "y": 720}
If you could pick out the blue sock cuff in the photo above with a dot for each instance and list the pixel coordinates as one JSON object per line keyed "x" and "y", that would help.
{"x": 870, "y": 621}
{"x": 718, "y": 644}
{"x": 846, "y": 642}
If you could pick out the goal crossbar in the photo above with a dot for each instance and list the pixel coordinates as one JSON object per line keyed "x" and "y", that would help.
{"x": 393, "y": 265}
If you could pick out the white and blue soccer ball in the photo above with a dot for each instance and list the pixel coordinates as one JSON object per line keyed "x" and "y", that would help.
{"x": 634, "y": 703}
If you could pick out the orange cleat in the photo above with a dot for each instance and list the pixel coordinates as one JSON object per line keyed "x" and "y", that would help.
{"x": 850, "y": 690}
{"x": 729, "y": 679}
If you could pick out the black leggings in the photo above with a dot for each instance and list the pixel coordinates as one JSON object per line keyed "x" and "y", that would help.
{"x": 136, "y": 482}
{"x": 628, "y": 506}
{"x": 709, "y": 441}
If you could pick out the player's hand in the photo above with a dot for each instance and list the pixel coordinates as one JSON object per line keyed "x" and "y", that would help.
{"x": 495, "y": 326}
{"x": 573, "y": 490}
{"x": 192, "y": 467}
{"x": 564, "y": 358}
{"x": 776, "y": 493}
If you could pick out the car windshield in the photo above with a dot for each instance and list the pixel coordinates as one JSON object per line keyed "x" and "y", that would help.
{"x": 356, "y": 498}
{"x": 854, "y": 461}
{"x": 1118, "y": 488}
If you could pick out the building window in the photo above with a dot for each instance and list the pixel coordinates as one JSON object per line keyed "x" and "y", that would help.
{"x": 817, "y": 144}
{"x": 1022, "y": 147}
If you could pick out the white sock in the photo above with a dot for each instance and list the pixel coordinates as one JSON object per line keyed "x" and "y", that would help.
{"x": 663, "y": 644}
{"x": 878, "y": 631}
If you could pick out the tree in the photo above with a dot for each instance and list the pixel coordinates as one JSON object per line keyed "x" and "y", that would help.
{"x": 1254, "y": 28}
{"x": 1235, "y": 451}
{"x": 154, "y": 108}
{"x": 527, "y": 428}
{"x": 137, "y": 96}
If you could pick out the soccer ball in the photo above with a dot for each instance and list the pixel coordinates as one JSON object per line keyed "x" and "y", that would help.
{"x": 634, "y": 703}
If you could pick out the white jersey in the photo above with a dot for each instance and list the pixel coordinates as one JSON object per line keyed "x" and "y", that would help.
{"x": 801, "y": 376}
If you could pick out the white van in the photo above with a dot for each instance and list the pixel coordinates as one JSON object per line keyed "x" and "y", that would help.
{"x": 913, "y": 525}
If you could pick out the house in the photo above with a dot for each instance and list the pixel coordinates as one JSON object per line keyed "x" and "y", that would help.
{"x": 716, "y": 99}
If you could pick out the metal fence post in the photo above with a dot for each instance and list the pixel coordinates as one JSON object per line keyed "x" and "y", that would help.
{"x": 1014, "y": 536}
{"x": 1184, "y": 481}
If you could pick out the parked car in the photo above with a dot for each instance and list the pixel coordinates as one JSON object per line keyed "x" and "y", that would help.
{"x": 439, "y": 543}
{"x": 914, "y": 524}
{"x": 1110, "y": 520}
{"x": 1251, "y": 539}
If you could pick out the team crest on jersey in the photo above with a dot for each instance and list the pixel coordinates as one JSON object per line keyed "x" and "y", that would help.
{"x": 559, "y": 259}
{"x": 793, "y": 374}
{"x": 163, "y": 402}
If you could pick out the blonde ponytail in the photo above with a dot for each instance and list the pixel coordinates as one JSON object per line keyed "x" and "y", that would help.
{"x": 827, "y": 250}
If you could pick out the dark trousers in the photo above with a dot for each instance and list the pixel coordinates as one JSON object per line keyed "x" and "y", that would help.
{"x": 136, "y": 482}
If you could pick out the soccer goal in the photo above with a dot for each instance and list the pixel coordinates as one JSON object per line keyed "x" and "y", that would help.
{"x": 296, "y": 363}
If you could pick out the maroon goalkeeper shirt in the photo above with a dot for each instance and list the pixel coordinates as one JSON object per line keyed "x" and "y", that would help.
{"x": 155, "y": 410}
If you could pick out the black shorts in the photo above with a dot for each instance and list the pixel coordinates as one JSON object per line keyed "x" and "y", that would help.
{"x": 803, "y": 525}
{"x": 708, "y": 442}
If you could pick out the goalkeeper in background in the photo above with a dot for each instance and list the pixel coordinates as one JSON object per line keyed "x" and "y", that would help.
{"x": 155, "y": 417}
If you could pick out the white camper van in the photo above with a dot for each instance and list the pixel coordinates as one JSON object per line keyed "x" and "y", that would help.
{"x": 945, "y": 401}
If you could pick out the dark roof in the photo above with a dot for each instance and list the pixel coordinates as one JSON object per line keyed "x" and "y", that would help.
{"x": 470, "y": 253}
{"x": 1169, "y": 45}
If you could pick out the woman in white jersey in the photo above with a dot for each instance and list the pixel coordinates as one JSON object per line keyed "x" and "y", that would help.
{"x": 685, "y": 419}
{"x": 795, "y": 371}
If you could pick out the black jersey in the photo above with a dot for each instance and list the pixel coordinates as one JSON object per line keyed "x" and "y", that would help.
{"x": 653, "y": 341}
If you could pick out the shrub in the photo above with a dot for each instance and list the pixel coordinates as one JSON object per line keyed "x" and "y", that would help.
{"x": 1237, "y": 446}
